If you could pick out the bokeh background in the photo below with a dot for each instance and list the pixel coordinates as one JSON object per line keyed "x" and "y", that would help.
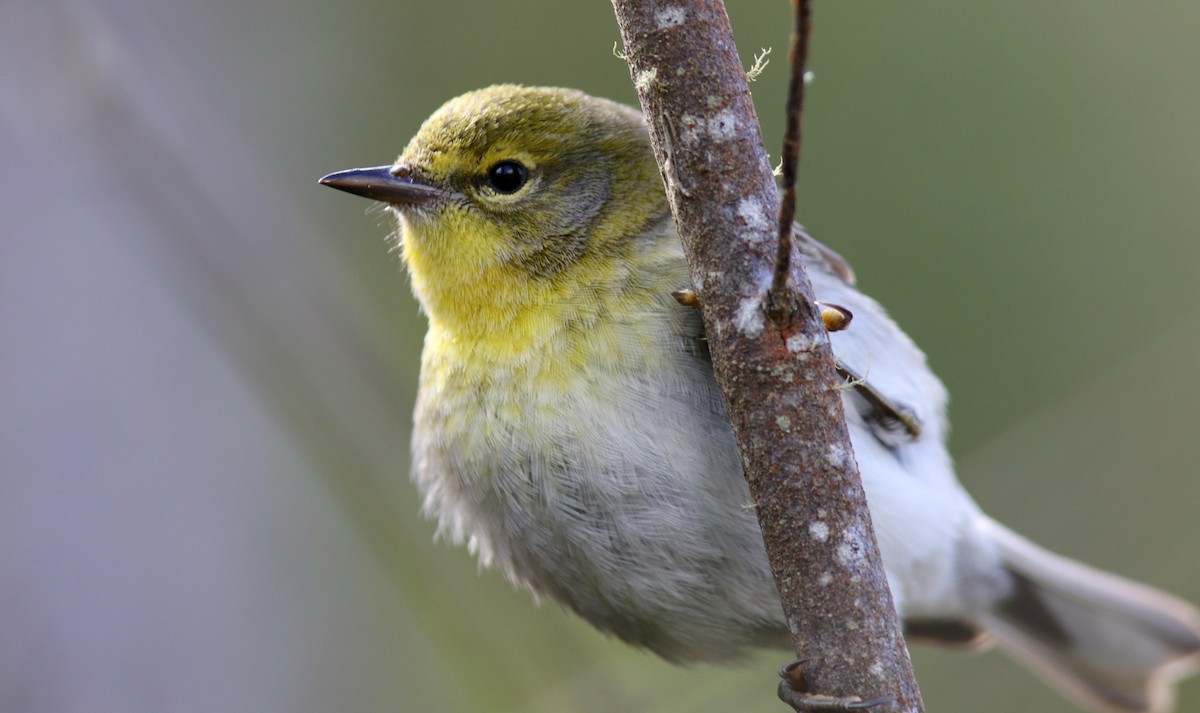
{"x": 207, "y": 361}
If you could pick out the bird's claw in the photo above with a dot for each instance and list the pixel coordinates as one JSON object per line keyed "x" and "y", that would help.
{"x": 792, "y": 691}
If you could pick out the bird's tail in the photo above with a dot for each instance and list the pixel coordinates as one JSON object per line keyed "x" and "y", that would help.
{"x": 1112, "y": 644}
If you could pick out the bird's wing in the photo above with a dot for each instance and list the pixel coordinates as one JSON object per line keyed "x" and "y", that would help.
{"x": 891, "y": 422}
{"x": 816, "y": 252}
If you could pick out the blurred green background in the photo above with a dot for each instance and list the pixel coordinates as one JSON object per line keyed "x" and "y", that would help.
{"x": 207, "y": 361}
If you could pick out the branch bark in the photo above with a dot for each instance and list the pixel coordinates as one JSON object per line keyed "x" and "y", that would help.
{"x": 774, "y": 366}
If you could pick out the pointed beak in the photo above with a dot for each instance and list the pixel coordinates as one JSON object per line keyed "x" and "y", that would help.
{"x": 397, "y": 185}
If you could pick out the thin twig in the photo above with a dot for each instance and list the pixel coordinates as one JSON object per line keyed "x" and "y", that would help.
{"x": 791, "y": 158}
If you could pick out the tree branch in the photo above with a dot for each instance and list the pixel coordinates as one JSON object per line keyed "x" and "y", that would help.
{"x": 777, "y": 376}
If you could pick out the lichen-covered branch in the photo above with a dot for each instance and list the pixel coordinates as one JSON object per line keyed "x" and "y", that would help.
{"x": 777, "y": 375}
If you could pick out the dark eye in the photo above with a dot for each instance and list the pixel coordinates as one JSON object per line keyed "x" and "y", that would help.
{"x": 507, "y": 176}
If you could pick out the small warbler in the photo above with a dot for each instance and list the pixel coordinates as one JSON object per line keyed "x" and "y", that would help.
{"x": 569, "y": 429}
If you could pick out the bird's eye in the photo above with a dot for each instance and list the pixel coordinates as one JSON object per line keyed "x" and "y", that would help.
{"x": 507, "y": 176}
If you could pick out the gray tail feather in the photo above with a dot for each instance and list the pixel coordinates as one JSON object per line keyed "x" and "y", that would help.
{"x": 1112, "y": 644}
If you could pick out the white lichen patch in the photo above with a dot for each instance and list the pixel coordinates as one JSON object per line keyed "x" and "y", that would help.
{"x": 837, "y": 455}
{"x": 691, "y": 128}
{"x": 876, "y": 669}
{"x": 819, "y": 531}
{"x": 825, "y": 579}
{"x": 784, "y": 423}
{"x": 670, "y": 17}
{"x": 723, "y": 126}
{"x": 800, "y": 342}
{"x": 784, "y": 373}
{"x": 850, "y": 550}
{"x": 750, "y": 317}
{"x": 645, "y": 79}
{"x": 750, "y": 211}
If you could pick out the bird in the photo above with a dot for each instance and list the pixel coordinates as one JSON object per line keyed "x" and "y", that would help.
{"x": 569, "y": 430}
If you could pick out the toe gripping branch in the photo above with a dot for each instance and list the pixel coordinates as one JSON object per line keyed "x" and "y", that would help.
{"x": 793, "y": 690}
